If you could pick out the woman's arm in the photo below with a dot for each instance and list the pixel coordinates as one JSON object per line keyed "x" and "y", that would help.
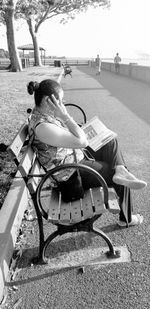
{"x": 53, "y": 135}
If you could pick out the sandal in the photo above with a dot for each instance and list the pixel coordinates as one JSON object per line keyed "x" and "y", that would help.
{"x": 136, "y": 220}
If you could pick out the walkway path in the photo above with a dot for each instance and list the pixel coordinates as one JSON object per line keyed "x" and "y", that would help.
{"x": 117, "y": 101}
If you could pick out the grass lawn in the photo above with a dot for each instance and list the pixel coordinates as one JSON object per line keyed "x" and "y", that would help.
{"x": 14, "y": 101}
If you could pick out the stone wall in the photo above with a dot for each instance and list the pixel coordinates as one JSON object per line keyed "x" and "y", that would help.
{"x": 132, "y": 70}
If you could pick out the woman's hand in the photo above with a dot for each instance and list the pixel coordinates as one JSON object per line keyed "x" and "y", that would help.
{"x": 59, "y": 108}
{"x": 60, "y": 111}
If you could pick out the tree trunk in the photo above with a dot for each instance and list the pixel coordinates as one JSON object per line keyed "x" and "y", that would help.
{"x": 15, "y": 63}
{"x": 37, "y": 58}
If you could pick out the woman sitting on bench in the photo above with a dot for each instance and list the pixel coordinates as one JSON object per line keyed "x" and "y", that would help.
{"x": 55, "y": 134}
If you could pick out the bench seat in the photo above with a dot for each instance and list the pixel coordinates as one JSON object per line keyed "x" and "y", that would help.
{"x": 70, "y": 213}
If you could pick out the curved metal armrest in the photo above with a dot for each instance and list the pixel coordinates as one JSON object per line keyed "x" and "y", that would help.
{"x": 75, "y": 110}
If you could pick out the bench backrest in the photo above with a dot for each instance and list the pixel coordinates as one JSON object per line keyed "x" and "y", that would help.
{"x": 25, "y": 158}
{"x": 18, "y": 141}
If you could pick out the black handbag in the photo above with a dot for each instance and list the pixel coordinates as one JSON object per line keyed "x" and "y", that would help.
{"x": 72, "y": 188}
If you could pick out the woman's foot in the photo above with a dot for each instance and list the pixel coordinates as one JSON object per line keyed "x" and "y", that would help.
{"x": 125, "y": 178}
{"x": 136, "y": 220}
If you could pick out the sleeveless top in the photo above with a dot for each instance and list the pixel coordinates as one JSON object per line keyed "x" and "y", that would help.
{"x": 51, "y": 156}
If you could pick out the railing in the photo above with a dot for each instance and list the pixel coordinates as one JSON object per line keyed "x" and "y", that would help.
{"x": 27, "y": 62}
{"x": 73, "y": 62}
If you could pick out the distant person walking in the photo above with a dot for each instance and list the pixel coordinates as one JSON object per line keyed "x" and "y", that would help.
{"x": 117, "y": 61}
{"x": 98, "y": 65}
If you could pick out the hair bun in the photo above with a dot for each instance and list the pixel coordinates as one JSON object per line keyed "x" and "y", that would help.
{"x": 32, "y": 86}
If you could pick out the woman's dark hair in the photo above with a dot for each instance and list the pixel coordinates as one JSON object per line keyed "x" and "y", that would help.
{"x": 45, "y": 88}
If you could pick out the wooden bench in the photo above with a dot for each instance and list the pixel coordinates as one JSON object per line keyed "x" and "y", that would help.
{"x": 74, "y": 216}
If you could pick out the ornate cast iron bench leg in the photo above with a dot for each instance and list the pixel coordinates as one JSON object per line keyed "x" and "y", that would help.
{"x": 111, "y": 253}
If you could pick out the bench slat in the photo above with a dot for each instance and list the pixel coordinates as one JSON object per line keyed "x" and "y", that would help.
{"x": 18, "y": 141}
{"x": 33, "y": 182}
{"x": 45, "y": 199}
{"x": 65, "y": 213}
{"x": 76, "y": 214}
{"x": 53, "y": 211}
{"x": 26, "y": 162}
{"x": 98, "y": 199}
{"x": 87, "y": 205}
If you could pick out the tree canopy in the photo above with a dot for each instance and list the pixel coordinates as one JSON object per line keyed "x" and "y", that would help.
{"x": 41, "y": 10}
{"x": 35, "y": 12}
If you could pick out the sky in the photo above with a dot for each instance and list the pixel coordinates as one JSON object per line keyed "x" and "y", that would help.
{"x": 123, "y": 28}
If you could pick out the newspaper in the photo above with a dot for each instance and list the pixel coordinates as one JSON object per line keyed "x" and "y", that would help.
{"x": 97, "y": 133}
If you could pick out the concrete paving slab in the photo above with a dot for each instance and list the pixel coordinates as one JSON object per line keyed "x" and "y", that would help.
{"x": 88, "y": 257}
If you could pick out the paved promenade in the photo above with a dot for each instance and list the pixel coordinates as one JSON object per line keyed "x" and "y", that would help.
{"x": 124, "y": 105}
